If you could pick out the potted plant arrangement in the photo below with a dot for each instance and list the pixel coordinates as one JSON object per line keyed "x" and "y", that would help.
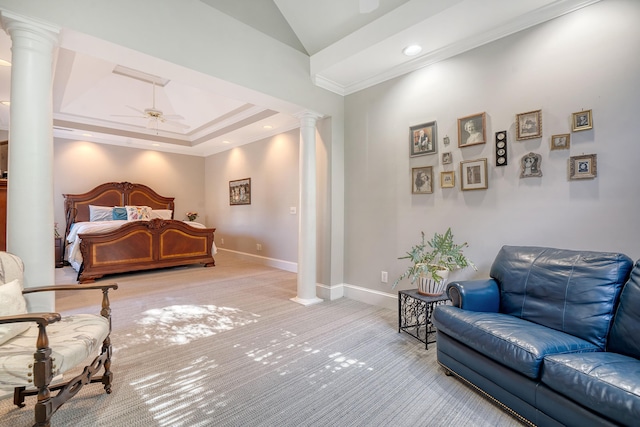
{"x": 432, "y": 261}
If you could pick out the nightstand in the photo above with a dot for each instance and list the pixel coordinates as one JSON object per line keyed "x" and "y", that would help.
{"x": 59, "y": 257}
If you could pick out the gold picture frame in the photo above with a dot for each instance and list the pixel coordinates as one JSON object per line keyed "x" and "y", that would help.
{"x": 473, "y": 175}
{"x": 582, "y": 120}
{"x": 561, "y": 141}
{"x": 448, "y": 179}
{"x": 583, "y": 167}
{"x": 471, "y": 130}
{"x": 529, "y": 125}
{"x": 422, "y": 180}
{"x": 423, "y": 139}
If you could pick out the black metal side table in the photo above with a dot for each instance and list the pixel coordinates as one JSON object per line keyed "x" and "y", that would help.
{"x": 414, "y": 314}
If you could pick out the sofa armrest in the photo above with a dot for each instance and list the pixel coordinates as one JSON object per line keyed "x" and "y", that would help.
{"x": 475, "y": 295}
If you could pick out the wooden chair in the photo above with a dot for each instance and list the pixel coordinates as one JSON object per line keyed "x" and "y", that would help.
{"x": 36, "y": 347}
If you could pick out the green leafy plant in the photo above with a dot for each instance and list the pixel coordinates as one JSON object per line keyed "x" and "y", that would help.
{"x": 436, "y": 255}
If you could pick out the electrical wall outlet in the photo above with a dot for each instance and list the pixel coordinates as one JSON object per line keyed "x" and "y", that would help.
{"x": 384, "y": 277}
{"x": 258, "y": 246}
{"x": 222, "y": 240}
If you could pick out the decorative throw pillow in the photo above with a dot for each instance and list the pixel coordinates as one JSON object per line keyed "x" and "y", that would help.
{"x": 100, "y": 213}
{"x": 12, "y": 302}
{"x": 120, "y": 213}
{"x": 161, "y": 213}
{"x": 138, "y": 213}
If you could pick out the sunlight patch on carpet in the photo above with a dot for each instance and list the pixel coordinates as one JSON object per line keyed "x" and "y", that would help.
{"x": 182, "y": 324}
{"x": 173, "y": 395}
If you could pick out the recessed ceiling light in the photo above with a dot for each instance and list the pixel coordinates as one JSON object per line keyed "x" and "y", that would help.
{"x": 5, "y": 102}
{"x": 267, "y": 127}
{"x": 4, "y": 63}
{"x": 226, "y": 142}
{"x": 86, "y": 134}
{"x": 412, "y": 50}
{"x": 155, "y": 144}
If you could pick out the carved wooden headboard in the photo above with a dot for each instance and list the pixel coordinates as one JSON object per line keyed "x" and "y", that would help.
{"x": 76, "y": 206}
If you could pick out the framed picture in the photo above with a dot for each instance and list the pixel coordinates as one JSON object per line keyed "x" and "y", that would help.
{"x": 473, "y": 175}
{"x": 531, "y": 165}
{"x": 240, "y": 192}
{"x": 471, "y": 130}
{"x": 529, "y": 125}
{"x": 561, "y": 141}
{"x": 422, "y": 139}
{"x": 422, "y": 180}
{"x": 447, "y": 158}
{"x": 581, "y": 121}
{"x": 583, "y": 167}
{"x": 448, "y": 179}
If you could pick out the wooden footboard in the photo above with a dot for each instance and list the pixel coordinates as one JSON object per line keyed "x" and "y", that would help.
{"x": 144, "y": 245}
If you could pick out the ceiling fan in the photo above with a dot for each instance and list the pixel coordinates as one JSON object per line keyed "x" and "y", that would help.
{"x": 155, "y": 116}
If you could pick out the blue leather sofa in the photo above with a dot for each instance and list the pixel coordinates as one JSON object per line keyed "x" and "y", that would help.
{"x": 553, "y": 336}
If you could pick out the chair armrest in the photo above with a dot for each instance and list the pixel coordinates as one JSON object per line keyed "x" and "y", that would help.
{"x": 40, "y": 318}
{"x": 475, "y": 295}
{"x": 78, "y": 287}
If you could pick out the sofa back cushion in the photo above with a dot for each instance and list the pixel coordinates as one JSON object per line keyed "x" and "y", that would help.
{"x": 624, "y": 332}
{"x": 572, "y": 291}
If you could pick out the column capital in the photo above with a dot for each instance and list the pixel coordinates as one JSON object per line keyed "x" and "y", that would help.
{"x": 308, "y": 115}
{"x": 13, "y": 23}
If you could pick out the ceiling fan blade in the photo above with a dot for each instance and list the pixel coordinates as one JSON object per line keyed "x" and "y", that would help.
{"x": 173, "y": 117}
{"x": 172, "y": 123}
{"x": 137, "y": 110}
{"x": 128, "y": 115}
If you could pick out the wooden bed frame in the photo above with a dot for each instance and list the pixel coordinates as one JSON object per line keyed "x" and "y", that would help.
{"x": 139, "y": 245}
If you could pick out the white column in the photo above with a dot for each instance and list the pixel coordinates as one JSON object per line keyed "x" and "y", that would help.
{"x": 307, "y": 229}
{"x": 30, "y": 218}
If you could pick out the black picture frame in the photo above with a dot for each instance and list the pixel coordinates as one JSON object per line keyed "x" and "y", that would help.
{"x": 240, "y": 192}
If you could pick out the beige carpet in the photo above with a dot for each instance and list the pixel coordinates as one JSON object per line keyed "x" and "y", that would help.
{"x": 225, "y": 346}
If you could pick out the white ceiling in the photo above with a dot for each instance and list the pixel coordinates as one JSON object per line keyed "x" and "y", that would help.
{"x": 348, "y": 51}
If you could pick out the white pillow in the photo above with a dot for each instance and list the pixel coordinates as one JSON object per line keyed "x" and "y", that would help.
{"x": 161, "y": 213}
{"x": 12, "y": 302}
{"x": 138, "y": 213}
{"x": 100, "y": 213}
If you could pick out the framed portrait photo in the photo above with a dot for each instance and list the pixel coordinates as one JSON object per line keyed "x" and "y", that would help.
{"x": 583, "y": 167}
{"x": 447, "y": 179}
{"x": 240, "y": 192}
{"x": 529, "y": 125}
{"x": 447, "y": 158}
{"x": 471, "y": 130}
{"x": 561, "y": 141}
{"x": 581, "y": 121}
{"x": 422, "y": 180}
{"x": 422, "y": 139}
{"x": 473, "y": 175}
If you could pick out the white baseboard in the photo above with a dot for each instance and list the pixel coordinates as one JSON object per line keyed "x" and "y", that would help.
{"x": 327, "y": 292}
{"x": 271, "y": 262}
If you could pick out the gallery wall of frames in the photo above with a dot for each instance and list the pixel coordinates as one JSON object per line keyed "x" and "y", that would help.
{"x": 472, "y": 174}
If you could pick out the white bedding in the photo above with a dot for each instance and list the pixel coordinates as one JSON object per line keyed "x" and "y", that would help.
{"x": 73, "y": 254}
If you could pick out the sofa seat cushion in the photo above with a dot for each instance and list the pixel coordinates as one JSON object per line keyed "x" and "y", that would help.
{"x": 516, "y": 343}
{"x": 608, "y": 383}
{"x": 72, "y": 340}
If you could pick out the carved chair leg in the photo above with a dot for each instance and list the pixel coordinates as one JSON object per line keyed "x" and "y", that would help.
{"x": 107, "y": 377}
{"x": 18, "y": 396}
{"x": 42, "y": 376}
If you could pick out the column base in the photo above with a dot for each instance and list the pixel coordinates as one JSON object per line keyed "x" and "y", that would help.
{"x": 307, "y": 301}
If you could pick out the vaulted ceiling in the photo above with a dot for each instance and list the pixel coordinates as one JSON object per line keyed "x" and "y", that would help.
{"x": 351, "y": 44}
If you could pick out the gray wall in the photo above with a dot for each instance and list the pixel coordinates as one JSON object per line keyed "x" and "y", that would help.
{"x": 79, "y": 166}
{"x": 272, "y": 165}
{"x": 584, "y": 60}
